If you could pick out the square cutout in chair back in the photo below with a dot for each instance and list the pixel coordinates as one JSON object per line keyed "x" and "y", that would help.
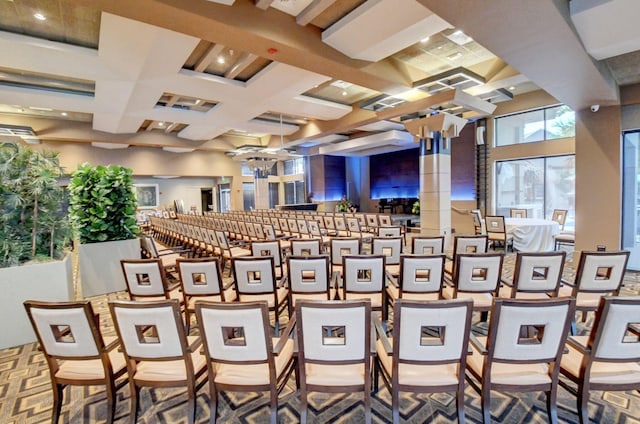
{"x": 265, "y": 252}
{"x": 540, "y": 273}
{"x": 387, "y": 251}
{"x": 531, "y": 334}
{"x": 62, "y": 333}
{"x": 305, "y": 252}
{"x": 471, "y": 249}
{"x": 233, "y": 336}
{"x": 427, "y": 250}
{"x": 199, "y": 278}
{"x": 432, "y": 335}
{"x": 632, "y": 333}
{"x": 254, "y": 277}
{"x": 364, "y": 275}
{"x": 308, "y": 276}
{"x": 345, "y": 251}
{"x": 422, "y": 276}
{"x": 334, "y": 335}
{"x": 147, "y": 334}
{"x": 143, "y": 279}
{"x": 603, "y": 273}
{"x": 479, "y": 274}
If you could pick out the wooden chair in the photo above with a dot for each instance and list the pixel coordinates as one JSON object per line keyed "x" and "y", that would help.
{"x": 421, "y": 278}
{"x": 76, "y": 352}
{"x": 272, "y": 249}
{"x": 201, "y": 279}
{"x": 158, "y": 351}
{"x": 255, "y": 280}
{"x": 427, "y": 245}
{"x": 229, "y": 252}
{"x": 476, "y": 276}
{"x": 389, "y": 231}
{"x": 466, "y": 245}
{"x": 391, "y": 249}
{"x": 608, "y": 359}
{"x": 363, "y": 277}
{"x": 566, "y": 238}
{"x": 167, "y": 255}
{"x": 536, "y": 276}
{"x": 241, "y": 354}
{"x": 522, "y": 351}
{"x": 309, "y": 278}
{"x": 427, "y": 352}
{"x": 560, "y": 216}
{"x": 598, "y": 274}
{"x": 518, "y": 213}
{"x": 341, "y": 246}
{"x": 146, "y": 280}
{"x": 334, "y": 342}
{"x": 497, "y": 232}
{"x": 312, "y": 247}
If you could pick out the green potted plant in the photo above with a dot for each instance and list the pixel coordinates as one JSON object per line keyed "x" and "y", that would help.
{"x": 34, "y": 238}
{"x": 415, "y": 209}
{"x": 102, "y": 209}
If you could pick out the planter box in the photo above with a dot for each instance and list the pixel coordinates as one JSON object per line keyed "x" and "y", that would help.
{"x": 51, "y": 281}
{"x": 100, "y": 271}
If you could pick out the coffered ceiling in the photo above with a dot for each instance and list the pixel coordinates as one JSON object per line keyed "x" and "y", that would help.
{"x": 311, "y": 75}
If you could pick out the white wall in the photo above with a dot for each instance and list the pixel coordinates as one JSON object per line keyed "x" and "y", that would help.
{"x": 185, "y": 188}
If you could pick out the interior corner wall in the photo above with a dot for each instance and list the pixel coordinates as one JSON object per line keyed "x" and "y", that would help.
{"x": 598, "y": 178}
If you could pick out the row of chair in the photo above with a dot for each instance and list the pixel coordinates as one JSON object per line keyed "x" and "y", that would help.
{"x": 431, "y": 348}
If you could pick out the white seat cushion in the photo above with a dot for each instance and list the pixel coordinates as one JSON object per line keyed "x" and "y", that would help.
{"x": 169, "y": 370}
{"x": 91, "y": 369}
{"x": 335, "y": 375}
{"x": 282, "y": 295}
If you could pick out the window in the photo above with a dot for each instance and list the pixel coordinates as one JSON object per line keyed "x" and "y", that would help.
{"x": 538, "y": 185}
{"x": 294, "y": 166}
{"x": 536, "y": 125}
{"x": 274, "y": 196}
{"x": 294, "y": 192}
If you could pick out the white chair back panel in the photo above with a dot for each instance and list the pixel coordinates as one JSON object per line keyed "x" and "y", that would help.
{"x": 306, "y": 247}
{"x": 308, "y": 275}
{"x": 539, "y": 272}
{"x": 479, "y": 273}
{"x": 389, "y": 231}
{"x": 254, "y": 276}
{"x": 471, "y": 245}
{"x": 340, "y": 248}
{"x": 422, "y": 274}
{"x": 264, "y": 249}
{"x": 602, "y": 273}
{"x": 314, "y": 228}
{"x": 427, "y": 246}
{"x": 452, "y": 320}
{"x": 249, "y": 346}
{"x": 222, "y": 239}
{"x": 613, "y": 344}
{"x": 199, "y": 278}
{"x": 131, "y": 320}
{"x": 512, "y": 319}
{"x": 144, "y": 279}
{"x": 314, "y": 323}
{"x": 79, "y": 342}
{"x": 390, "y": 248}
{"x": 363, "y": 274}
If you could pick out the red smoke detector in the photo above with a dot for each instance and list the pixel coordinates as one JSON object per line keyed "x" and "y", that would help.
{"x": 272, "y": 50}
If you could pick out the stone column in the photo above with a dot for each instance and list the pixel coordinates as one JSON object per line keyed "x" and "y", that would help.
{"x": 435, "y": 186}
{"x": 261, "y": 189}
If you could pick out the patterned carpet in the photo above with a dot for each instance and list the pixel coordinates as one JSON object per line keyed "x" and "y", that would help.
{"x": 25, "y": 396}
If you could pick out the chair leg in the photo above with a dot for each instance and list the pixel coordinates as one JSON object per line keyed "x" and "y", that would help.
{"x": 552, "y": 410}
{"x": 191, "y": 403}
{"x": 111, "y": 401}
{"x": 367, "y": 405}
{"x": 460, "y": 403}
{"x": 274, "y": 406}
{"x": 583, "y": 403}
{"x": 395, "y": 405}
{"x": 57, "y": 402}
{"x": 213, "y": 403}
{"x": 303, "y": 404}
{"x": 486, "y": 404}
{"x": 135, "y": 402}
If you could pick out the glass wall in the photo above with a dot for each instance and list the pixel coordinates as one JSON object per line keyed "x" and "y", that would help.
{"x": 294, "y": 192}
{"x": 274, "y": 195}
{"x": 631, "y": 197}
{"x": 294, "y": 166}
{"x": 538, "y": 185}
{"x": 536, "y": 125}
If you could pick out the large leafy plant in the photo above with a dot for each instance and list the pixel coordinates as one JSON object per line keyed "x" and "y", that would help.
{"x": 102, "y": 204}
{"x": 33, "y": 224}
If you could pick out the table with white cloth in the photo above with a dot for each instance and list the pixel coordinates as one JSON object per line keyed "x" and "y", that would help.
{"x": 532, "y": 234}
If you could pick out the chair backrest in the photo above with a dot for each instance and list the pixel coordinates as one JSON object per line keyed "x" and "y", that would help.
{"x": 560, "y": 216}
{"x": 518, "y": 213}
{"x": 343, "y": 246}
{"x": 477, "y": 220}
{"x": 303, "y": 228}
{"x": 308, "y": 274}
{"x": 431, "y": 332}
{"x": 353, "y": 224}
{"x": 293, "y": 226}
{"x": 306, "y": 247}
{"x": 427, "y": 245}
{"x": 329, "y": 223}
{"x": 363, "y": 273}
{"x": 391, "y": 248}
{"x": 601, "y": 272}
{"x": 372, "y": 220}
{"x": 478, "y": 272}
{"x": 144, "y": 277}
{"x": 150, "y": 330}
{"x": 222, "y": 240}
{"x": 385, "y": 220}
{"x": 613, "y": 336}
{"x": 314, "y": 228}
{"x": 200, "y": 276}
{"x": 495, "y": 224}
{"x": 340, "y": 222}
{"x": 421, "y": 273}
{"x": 235, "y": 333}
{"x": 539, "y": 272}
{"x": 258, "y": 229}
{"x": 549, "y": 319}
{"x": 389, "y": 231}
{"x": 269, "y": 232}
{"x": 149, "y": 244}
{"x": 349, "y": 343}
{"x": 269, "y": 248}
{"x": 254, "y": 275}
{"x": 66, "y": 330}
{"x": 469, "y": 244}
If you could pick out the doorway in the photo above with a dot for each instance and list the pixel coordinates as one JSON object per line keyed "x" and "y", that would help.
{"x": 206, "y": 200}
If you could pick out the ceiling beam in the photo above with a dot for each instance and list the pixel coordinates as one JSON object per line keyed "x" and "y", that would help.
{"x": 241, "y": 64}
{"x": 263, "y": 4}
{"x": 212, "y": 53}
{"x": 315, "y": 8}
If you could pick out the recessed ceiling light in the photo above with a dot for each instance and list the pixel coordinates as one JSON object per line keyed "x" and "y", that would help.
{"x": 109, "y": 146}
{"x": 512, "y": 88}
{"x": 39, "y": 16}
{"x": 161, "y": 124}
{"x": 455, "y": 56}
{"x": 220, "y": 60}
{"x": 64, "y": 114}
{"x": 344, "y": 93}
{"x": 424, "y": 40}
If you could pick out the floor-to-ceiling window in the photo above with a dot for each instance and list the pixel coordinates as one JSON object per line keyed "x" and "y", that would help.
{"x": 631, "y": 197}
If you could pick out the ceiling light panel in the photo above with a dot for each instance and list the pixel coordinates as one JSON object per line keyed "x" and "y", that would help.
{"x": 333, "y": 92}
